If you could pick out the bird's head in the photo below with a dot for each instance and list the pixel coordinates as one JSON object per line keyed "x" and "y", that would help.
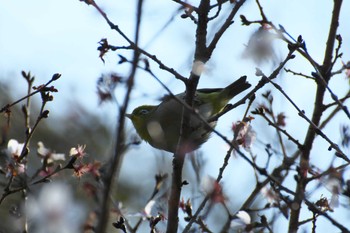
{"x": 140, "y": 117}
{"x": 141, "y": 112}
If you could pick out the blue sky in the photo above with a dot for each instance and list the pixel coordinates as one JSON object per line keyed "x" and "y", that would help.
{"x": 50, "y": 36}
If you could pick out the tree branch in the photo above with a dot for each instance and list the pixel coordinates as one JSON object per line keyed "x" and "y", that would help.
{"x": 311, "y": 133}
{"x": 120, "y": 137}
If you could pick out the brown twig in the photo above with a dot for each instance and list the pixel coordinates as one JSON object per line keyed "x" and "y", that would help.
{"x": 134, "y": 45}
{"x": 260, "y": 112}
{"x": 224, "y": 27}
{"x": 44, "y": 90}
{"x": 191, "y": 86}
{"x": 314, "y": 126}
{"x": 206, "y": 198}
{"x": 153, "y": 58}
{"x": 8, "y": 106}
{"x": 186, "y": 5}
{"x": 120, "y": 137}
{"x": 299, "y": 74}
{"x": 317, "y": 113}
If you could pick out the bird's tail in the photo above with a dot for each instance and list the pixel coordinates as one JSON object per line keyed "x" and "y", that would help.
{"x": 235, "y": 88}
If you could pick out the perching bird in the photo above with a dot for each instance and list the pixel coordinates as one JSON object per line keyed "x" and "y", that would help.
{"x": 160, "y": 125}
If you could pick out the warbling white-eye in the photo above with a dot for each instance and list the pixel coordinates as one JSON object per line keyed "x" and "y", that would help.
{"x": 160, "y": 125}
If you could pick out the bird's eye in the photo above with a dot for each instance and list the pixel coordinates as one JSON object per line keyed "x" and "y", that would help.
{"x": 143, "y": 112}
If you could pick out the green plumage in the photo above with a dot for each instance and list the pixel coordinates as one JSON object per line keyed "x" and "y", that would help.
{"x": 160, "y": 125}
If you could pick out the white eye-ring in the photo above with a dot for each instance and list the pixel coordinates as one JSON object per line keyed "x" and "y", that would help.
{"x": 143, "y": 112}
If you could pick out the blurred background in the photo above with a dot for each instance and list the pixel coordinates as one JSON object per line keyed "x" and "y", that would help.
{"x": 48, "y": 36}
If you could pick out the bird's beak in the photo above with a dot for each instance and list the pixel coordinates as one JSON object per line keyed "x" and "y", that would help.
{"x": 128, "y": 115}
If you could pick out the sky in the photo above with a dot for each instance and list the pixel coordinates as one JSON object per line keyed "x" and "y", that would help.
{"x": 50, "y": 36}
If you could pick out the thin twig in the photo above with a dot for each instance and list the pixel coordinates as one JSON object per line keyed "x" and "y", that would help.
{"x": 134, "y": 45}
{"x": 279, "y": 129}
{"x": 301, "y": 113}
{"x": 299, "y": 74}
{"x": 313, "y": 129}
{"x": 225, "y": 26}
{"x": 154, "y": 58}
{"x": 207, "y": 197}
{"x": 42, "y": 87}
{"x": 186, "y": 5}
{"x": 120, "y": 137}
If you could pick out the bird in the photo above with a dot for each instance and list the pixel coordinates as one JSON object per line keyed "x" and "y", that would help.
{"x": 160, "y": 125}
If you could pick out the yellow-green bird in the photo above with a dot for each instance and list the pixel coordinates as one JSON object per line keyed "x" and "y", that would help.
{"x": 160, "y": 125}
